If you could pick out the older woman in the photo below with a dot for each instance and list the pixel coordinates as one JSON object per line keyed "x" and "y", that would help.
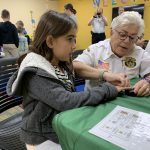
{"x": 119, "y": 54}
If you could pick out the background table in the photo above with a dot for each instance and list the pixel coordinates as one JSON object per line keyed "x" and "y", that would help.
{"x": 72, "y": 126}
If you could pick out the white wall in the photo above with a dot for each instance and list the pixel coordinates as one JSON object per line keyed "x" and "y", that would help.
{"x": 20, "y": 10}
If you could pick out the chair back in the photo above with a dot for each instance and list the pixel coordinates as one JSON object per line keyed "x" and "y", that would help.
{"x": 9, "y": 128}
{"x": 7, "y": 67}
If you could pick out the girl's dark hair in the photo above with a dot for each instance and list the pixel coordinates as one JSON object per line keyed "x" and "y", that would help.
{"x": 51, "y": 23}
{"x": 5, "y": 13}
{"x": 70, "y": 7}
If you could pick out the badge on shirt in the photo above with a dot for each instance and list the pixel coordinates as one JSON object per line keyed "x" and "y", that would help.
{"x": 130, "y": 62}
{"x": 103, "y": 64}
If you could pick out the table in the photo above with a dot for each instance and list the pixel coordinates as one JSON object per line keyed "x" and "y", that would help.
{"x": 72, "y": 126}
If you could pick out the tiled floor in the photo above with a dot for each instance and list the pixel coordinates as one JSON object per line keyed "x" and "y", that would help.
{"x": 10, "y": 112}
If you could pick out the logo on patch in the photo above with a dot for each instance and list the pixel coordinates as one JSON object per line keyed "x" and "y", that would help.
{"x": 103, "y": 65}
{"x": 130, "y": 62}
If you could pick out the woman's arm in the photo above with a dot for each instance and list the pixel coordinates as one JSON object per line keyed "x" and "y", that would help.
{"x": 87, "y": 72}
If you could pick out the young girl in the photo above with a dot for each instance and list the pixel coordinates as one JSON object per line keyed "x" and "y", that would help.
{"x": 45, "y": 80}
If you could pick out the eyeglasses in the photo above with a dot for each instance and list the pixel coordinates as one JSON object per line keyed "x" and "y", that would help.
{"x": 124, "y": 35}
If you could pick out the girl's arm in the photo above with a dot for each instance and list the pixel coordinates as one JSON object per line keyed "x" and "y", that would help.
{"x": 53, "y": 93}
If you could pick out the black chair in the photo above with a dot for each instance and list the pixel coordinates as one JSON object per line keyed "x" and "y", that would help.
{"x": 9, "y": 128}
{"x": 76, "y": 53}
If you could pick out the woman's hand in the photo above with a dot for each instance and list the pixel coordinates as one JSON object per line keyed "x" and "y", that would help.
{"x": 142, "y": 88}
{"x": 117, "y": 79}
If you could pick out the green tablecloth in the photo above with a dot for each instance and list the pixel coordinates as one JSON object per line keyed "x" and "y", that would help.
{"x": 72, "y": 126}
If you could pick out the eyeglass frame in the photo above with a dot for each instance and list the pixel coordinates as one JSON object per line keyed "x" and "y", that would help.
{"x": 131, "y": 39}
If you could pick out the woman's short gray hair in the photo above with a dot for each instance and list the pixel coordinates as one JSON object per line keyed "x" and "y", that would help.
{"x": 127, "y": 18}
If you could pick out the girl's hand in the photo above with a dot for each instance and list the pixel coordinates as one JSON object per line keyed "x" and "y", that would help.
{"x": 120, "y": 88}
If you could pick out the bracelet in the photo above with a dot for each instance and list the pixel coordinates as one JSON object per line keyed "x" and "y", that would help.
{"x": 102, "y": 71}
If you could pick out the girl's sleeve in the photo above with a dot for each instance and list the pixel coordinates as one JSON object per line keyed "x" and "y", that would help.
{"x": 57, "y": 97}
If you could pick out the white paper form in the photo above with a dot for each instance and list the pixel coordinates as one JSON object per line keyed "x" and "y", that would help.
{"x": 126, "y": 128}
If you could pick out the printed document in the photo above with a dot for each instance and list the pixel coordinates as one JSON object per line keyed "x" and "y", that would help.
{"x": 126, "y": 128}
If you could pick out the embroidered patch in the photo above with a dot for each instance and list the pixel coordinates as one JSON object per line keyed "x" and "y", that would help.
{"x": 130, "y": 62}
{"x": 103, "y": 65}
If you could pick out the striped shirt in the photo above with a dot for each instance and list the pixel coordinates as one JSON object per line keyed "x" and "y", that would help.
{"x": 63, "y": 76}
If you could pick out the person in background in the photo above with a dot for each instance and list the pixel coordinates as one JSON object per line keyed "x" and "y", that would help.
{"x": 23, "y": 43}
{"x": 98, "y": 23}
{"x": 9, "y": 35}
{"x": 45, "y": 79}
{"x": 1, "y": 44}
{"x": 19, "y": 25}
{"x": 120, "y": 10}
{"x": 70, "y": 11}
{"x": 119, "y": 54}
